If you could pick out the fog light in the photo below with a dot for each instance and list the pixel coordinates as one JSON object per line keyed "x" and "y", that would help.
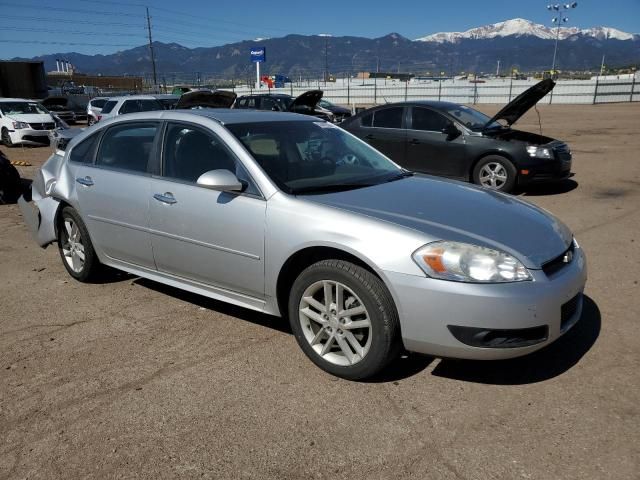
{"x": 524, "y": 172}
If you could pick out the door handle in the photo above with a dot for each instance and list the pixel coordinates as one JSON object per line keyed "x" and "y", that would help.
{"x": 414, "y": 141}
{"x": 85, "y": 181}
{"x": 369, "y": 137}
{"x": 166, "y": 197}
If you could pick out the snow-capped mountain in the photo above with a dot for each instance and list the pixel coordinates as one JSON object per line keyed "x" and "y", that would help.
{"x": 520, "y": 27}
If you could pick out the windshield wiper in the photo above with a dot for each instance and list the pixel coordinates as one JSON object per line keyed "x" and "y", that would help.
{"x": 401, "y": 175}
{"x": 336, "y": 187}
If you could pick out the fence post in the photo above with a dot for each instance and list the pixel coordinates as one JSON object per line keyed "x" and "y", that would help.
{"x": 291, "y": 87}
{"x": 633, "y": 86}
{"x": 349, "y": 90}
{"x": 375, "y": 90}
{"x": 475, "y": 93}
{"x": 439, "y": 89}
{"x": 406, "y": 86}
{"x": 595, "y": 91}
{"x": 510, "y": 87}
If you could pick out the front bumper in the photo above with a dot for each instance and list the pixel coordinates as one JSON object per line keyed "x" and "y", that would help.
{"x": 28, "y": 136}
{"x": 541, "y": 170}
{"x": 39, "y": 214}
{"x": 428, "y": 307}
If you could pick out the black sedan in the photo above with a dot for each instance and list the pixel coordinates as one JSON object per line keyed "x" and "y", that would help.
{"x": 456, "y": 141}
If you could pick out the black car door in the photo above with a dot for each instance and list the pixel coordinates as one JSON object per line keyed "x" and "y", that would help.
{"x": 429, "y": 149}
{"x": 383, "y": 129}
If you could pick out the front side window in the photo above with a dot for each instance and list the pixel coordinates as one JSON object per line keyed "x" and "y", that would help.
{"x": 85, "y": 150}
{"x": 311, "y": 157}
{"x": 425, "y": 119}
{"x": 127, "y": 147}
{"x": 388, "y": 118}
{"x": 190, "y": 151}
{"x": 470, "y": 118}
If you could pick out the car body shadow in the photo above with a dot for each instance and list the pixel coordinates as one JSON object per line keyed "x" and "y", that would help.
{"x": 539, "y": 366}
{"x": 549, "y": 188}
{"x": 259, "y": 318}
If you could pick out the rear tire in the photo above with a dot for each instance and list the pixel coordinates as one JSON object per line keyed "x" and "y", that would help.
{"x": 495, "y": 173}
{"x": 75, "y": 247}
{"x": 355, "y": 333}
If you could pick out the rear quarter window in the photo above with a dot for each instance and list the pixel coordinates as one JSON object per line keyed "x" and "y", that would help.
{"x": 108, "y": 106}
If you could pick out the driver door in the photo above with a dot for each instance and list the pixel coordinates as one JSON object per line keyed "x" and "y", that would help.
{"x": 207, "y": 236}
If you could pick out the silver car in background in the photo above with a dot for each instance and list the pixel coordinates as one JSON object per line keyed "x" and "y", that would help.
{"x": 292, "y": 216}
{"x": 115, "y": 106}
{"x": 94, "y": 109}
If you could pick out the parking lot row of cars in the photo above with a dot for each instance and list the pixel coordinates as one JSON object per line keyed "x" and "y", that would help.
{"x": 438, "y": 138}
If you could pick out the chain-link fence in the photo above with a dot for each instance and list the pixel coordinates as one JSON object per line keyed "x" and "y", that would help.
{"x": 368, "y": 92}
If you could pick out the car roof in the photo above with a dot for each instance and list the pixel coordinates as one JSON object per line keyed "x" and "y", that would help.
{"x": 436, "y": 104}
{"x": 224, "y": 116}
{"x": 18, "y": 100}
{"x": 266, "y": 95}
{"x": 133, "y": 97}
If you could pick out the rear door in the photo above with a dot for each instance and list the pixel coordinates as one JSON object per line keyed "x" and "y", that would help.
{"x": 113, "y": 191}
{"x": 429, "y": 150}
{"x": 383, "y": 129}
{"x": 207, "y": 236}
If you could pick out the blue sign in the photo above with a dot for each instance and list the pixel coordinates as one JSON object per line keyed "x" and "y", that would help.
{"x": 258, "y": 54}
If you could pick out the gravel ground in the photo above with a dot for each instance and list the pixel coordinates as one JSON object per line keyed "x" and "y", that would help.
{"x": 129, "y": 378}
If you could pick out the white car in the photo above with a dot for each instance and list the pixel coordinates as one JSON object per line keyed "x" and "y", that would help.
{"x": 94, "y": 109}
{"x": 132, "y": 104}
{"x": 24, "y": 122}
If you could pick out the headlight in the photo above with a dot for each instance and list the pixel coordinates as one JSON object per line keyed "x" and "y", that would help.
{"x": 463, "y": 262}
{"x": 539, "y": 152}
{"x": 19, "y": 125}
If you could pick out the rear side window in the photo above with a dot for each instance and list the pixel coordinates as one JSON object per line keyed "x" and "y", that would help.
{"x": 133, "y": 106}
{"x": 85, "y": 150}
{"x": 367, "y": 120}
{"x": 425, "y": 119}
{"x": 127, "y": 147}
{"x": 99, "y": 103}
{"x": 108, "y": 106}
{"x": 388, "y": 118}
{"x": 242, "y": 103}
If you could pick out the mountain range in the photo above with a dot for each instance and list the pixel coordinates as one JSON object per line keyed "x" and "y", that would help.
{"x": 515, "y": 43}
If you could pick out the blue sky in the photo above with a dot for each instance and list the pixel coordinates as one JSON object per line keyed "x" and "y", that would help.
{"x": 30, "y": 27}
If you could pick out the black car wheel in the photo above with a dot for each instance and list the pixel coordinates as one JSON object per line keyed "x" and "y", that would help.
{"x": 496, "y": 173}
{"x": 6, "y": 138}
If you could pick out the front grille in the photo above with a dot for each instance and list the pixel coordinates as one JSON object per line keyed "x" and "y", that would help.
{"x": 568, "y": 311}
{"x": 564, "y": 259}
{"x": 562, "y": 152}
{"x": 42, "y": 126}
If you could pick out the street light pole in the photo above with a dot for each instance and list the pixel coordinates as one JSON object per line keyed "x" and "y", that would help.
{"x": 559, "y": 20}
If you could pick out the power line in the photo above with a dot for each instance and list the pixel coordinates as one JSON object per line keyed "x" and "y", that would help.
{"x": 66, "y": 20}
{"x": 69, "y": 10}
{"x": 73, "y": 32}
{"x": 71, "y": 43}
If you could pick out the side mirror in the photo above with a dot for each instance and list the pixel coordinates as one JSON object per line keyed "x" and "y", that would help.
{"x": 451, "y": 131}
{"x": 220, "y": 180}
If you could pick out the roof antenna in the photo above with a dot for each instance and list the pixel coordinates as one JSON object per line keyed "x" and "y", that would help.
{"x": 535, "y": 106}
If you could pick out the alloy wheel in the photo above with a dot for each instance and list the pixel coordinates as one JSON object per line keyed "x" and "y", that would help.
{"x": 72, "y": 246}
{"x": 493, "y": 175}
{"x": 335, "y": 322}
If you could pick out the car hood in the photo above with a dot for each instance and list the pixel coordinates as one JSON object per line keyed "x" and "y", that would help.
{"x": 308, "y": 99}
{"x": 31, "y": 117}
{"x": 517, "y": 107}
{"x": 448, "y": 210}
{"x": 206, "y": 99}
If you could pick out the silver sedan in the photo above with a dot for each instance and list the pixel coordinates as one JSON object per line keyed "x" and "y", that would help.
{"x": 292, "y": 216}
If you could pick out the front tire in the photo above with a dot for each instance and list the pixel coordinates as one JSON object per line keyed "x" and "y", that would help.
{"x": 75, "y": 247}
{"x": 344, "y": 319}
{"x": 6, "y": 138}
{"x": 495, "y": 173}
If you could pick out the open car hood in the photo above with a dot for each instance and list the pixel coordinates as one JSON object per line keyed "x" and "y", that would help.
{"x": 517, "y": 107}
{"x": 205, "y": 99}
{"x": 308, "y": 100}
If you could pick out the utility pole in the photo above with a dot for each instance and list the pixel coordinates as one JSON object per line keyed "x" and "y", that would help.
{"x": 153, "y": 58}
{"x": 559, "y": 20}
{"x": 326, "y": 59}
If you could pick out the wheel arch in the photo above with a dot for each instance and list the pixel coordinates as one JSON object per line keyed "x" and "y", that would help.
{"x": 305, "y": 257}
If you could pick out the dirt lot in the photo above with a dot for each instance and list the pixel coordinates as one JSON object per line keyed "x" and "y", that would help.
{"x": 132, "y": 379}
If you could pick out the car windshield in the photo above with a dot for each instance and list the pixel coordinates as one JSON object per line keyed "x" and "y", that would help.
{"x": 470, "y": 118}
{"x": 306, "y": 157}
{"x": 325, "y": 104}
{"x": 16, "y": 108}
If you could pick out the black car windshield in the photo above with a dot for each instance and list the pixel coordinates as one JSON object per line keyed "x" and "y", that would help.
{"x": 470, "y": 118}
{"x": 314, "y": 157}
{"x": 15, "y": 108}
